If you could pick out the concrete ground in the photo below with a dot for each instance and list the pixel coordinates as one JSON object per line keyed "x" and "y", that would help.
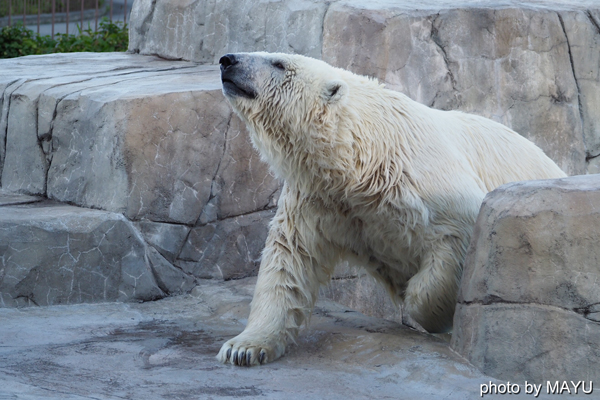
{"x": 166, "y": 350}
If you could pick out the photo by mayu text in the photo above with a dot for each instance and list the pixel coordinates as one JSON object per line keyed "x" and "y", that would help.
{"x": 556, "y": 387}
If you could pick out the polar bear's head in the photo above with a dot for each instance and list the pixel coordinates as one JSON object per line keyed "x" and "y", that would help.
{"x": 281, "y": 86}
{"x": 292, "y": 104}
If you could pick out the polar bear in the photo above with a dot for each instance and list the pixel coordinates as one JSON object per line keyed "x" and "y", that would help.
{"x": 370, "y": 176}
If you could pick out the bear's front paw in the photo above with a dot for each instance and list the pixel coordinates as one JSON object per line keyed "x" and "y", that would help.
{"x": 250, "y": 350}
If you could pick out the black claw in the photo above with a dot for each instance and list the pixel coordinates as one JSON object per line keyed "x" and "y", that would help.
{"x": 261, "y": 357}
{"x": 242, "y": 358}
{"x": 228, "y": 354}
{"x": 248, "y": 358}
{"x": 234, "y": 357}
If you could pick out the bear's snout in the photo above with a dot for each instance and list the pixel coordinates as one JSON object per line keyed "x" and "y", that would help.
{"x": 236, "y": 76}
{"x": 227, "y": 61}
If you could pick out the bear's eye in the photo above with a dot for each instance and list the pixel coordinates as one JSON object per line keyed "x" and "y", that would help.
{"x": 279, "y": 65}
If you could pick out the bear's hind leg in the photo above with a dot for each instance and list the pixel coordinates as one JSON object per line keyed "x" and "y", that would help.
{"x": 430, "y": 296}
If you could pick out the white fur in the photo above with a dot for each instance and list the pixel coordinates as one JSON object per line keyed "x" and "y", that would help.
{"x": 370, "y": 175}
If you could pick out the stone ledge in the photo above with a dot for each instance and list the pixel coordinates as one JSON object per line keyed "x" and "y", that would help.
{"x": 532, "y": 342}
{"x": 149, "y": 138}
{"x": 13, "y": 199}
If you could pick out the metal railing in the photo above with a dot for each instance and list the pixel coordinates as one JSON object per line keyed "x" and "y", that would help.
{"x": 52, "y": 12}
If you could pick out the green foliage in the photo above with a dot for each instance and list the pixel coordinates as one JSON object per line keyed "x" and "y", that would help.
{"x": 16, "y": 40}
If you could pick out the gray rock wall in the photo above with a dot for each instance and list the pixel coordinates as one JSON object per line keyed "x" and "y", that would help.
{"x": 529, "y": 298}
{"x": 138, "y": 135}
{"x": 205, "y": 30}
{"x": 533, "y": 66}
{"x": 519, "y": 66}
{"x": 143, "y": 140}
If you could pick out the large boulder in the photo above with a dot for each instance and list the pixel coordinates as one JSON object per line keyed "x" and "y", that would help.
{"x": 529, "y": 304}
{"x": 149, "y": 138}
{"x": 60, "y": 254}
{"x": 32, "y": 87}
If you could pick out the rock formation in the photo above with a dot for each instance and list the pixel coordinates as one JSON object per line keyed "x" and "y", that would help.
{"x": 529, "y": 304}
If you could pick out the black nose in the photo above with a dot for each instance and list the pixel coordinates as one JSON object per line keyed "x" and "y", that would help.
{"x": 227, "y": 61}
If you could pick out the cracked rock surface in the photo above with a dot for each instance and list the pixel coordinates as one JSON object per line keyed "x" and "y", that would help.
{"x": 53, "y": 253}
{"x": 166, "y": 350}
{"x": 531, "y": 65}
{"x": 146, "y": 137}
{"x": 136, "y": 139}
{"x": 529, "y": 303}
{"x": 130, "y": 134}
{"x": 150, "y": 139}
{"x": 523, "y": 64}
{"x": 205, "y": 30}
{"x": 60, "y": 254}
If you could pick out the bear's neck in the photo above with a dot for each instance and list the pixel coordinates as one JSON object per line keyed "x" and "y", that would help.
{"x": 347, "y": 170}
{"x": 310, "y": 166}
{"x": 347, "y": 156}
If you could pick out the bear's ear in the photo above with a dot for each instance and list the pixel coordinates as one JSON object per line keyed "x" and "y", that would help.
{"x": 335, "y": 91}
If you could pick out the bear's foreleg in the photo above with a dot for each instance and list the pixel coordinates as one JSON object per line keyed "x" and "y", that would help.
{"x": 295, "y": 262}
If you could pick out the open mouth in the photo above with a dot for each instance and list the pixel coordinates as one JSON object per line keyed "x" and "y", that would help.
{"x": 232, "y": 89}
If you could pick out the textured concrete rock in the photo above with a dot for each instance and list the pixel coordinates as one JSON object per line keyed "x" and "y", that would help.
{"x": 148, "y": 148}
{"x": 152, "y": 139}
{"x": 166, "y": 349}
{"x": 170, "y": 279}
{"x": 528, "y": 302}
{"x": 532, "y": 65}
{"x": 226, "y": 249}
{"x": 60, "y": 254}
{"x": 24, "y": 79}
{"x": 243, "y": 183}
{"x": 523, "y": 65}
{"x": 205, "y": 30}
{"x": 168, "y": 239}
{"x": 594, "y": 165}
{"x": 25, "y": 161}
{"x": 354, "y": 288}
{"x": 582, "y": 30}
{"x": 9, "y": 198}
{"x": 146, "y": 137}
